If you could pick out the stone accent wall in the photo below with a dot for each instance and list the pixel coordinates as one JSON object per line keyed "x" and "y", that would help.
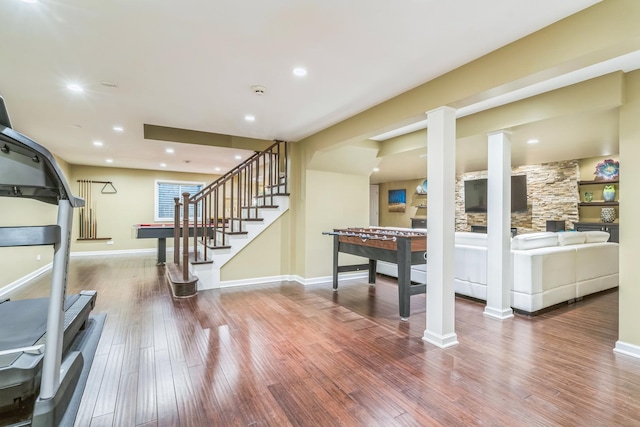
{"x": 552, "y": 194}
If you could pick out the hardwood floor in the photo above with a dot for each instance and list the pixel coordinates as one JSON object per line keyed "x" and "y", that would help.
{"x": 288, "y": 355}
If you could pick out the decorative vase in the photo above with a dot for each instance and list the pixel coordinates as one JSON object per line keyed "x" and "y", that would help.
{"x": 609, "y": 193}
{"x": 588, "y": 196}
{"x": 608, "y": 214}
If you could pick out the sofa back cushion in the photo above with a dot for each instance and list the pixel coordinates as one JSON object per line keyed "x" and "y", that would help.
{"x": 471, "y": 239}
{"x": 596, "y": 236}
{"x": 534, "y": 240}
{"x": 571, "y": 238}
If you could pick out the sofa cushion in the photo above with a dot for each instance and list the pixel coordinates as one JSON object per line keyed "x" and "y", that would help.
{"x": 534, "y": 240}
{"x": 571, "y": 238}
{"x": 596, "y": 236}
{"x": 471, "y": 239}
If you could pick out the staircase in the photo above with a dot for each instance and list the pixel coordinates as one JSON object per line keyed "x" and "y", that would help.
{"x": 229, "y": 213}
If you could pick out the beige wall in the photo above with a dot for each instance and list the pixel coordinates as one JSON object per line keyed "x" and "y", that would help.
{"x": 402, "y": 219}
{"x": 268, "y": 254}
{"x": 629, "y": 317}
{"x": 333, "y": 200}
{"x": 132, "y": 204}
{"x": 16, "y": 263}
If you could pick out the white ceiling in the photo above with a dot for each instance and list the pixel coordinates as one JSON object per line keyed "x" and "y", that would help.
{"x": 191, "y": 64}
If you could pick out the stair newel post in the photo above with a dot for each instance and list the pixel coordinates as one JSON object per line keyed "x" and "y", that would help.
{"x": 176, "y": 231}
{"x": 185, "y": 236}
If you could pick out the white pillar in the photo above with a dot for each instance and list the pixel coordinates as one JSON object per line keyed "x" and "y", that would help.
{"x": 499, "y": 227}
{"x": 441, "y": 174}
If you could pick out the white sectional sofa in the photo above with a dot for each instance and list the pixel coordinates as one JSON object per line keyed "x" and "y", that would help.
{"x": 547, "y": 268}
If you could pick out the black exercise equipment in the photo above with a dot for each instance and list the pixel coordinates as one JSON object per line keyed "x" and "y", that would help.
{"x": 35, "y": 333}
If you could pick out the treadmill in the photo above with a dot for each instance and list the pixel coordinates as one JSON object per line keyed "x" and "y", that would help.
{"x": 35, "y": 334}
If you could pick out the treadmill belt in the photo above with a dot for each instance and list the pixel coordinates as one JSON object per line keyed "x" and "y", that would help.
{"x": 23, "y": 322}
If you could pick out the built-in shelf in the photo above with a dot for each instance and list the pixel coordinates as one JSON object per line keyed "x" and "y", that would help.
{"x": 584, "y": 204}
{"x": 613, "y": 181}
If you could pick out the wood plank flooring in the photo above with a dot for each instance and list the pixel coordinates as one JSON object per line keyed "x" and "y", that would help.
{"x": 288, "y": 355}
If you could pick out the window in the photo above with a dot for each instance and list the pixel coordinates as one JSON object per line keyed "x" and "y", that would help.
{"x": 166, "y": 191}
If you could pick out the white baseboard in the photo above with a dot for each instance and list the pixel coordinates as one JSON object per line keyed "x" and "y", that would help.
{"x": 115, "y": 252}
{"x": 255, "y": 281}
{"x": 25, "y": 280}
{"x": 498, "y": 314}
{"x": 627, "y": 349}
{"x": 329, "y": 279}
{"x": 293, "y": 278}
{"x": 442, "y": 341}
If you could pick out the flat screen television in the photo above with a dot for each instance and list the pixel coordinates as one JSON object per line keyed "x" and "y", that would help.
{"x": 475, "y": 194}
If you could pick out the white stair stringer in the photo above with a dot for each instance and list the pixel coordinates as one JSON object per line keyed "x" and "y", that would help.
{"x": 209, "y": 274}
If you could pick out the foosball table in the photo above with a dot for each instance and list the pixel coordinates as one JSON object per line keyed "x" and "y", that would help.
{"x": 404, "y": 247}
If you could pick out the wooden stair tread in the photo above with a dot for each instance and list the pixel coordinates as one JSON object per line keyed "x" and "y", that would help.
{"x": 196, "y": 260}
{"x": 218, "y": 247}
{"x": 261, "y": 207}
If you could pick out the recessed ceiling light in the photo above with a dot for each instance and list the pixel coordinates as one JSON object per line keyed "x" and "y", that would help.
{"x": 376, "y": 169}
{"x": 250, "y": 118}
{"x": 73, "y": 87}
{"x": 118, "y": 128}
{"x": 109, "y": 160}
{"x": 300, "y": 72}
{"x": 170, "y": 150}
{"x": 217, "y": 169}
{"x": 164, "y": 165}
{"x": 532, "y": 141}
{"x": 30, "y": 1}
{"x": 98, "y": 143}
{"x": 238, "y": 157}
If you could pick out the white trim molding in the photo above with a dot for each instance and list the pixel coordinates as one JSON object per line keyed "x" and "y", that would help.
{"x": 255, "y": 281}
{"x": 116, "y": 252}
{"x": 627, "y": 349}
{"x": 329, "y": 279}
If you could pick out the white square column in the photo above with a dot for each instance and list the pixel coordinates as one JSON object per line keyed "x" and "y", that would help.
{"x": 441, "y": 175}
{"x": 499, "y": 227}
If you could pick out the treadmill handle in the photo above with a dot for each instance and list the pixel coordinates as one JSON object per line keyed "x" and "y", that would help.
{"x": 33, "y": 349}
